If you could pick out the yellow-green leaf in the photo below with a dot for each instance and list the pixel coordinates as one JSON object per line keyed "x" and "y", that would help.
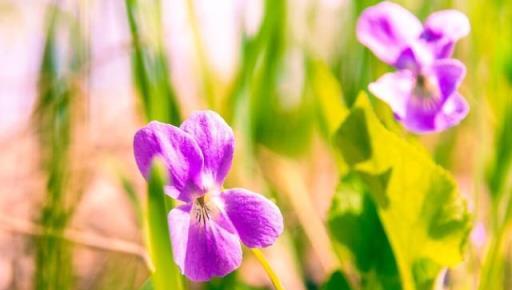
{"x": 424, "y": 216}
{"x": 328, "y": 95}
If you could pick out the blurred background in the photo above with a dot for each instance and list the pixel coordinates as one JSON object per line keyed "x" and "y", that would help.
{"x": 78, "y": 78}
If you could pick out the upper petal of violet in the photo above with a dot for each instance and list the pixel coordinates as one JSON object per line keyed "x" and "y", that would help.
{"x": 452, "y": 24}
{"x": 415, "y": 57}
{"x": 203, "y": 249}
{"x": 386, "y": 29}
{"x": 443, "y": 29}
{"x": 257, "y": 220}
{"x": 216, "y": 140}
{"x": 179, "y": 152}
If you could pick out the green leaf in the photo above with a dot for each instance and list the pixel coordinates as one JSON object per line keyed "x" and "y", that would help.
{"x": 148, "y": 285}
{"x": 354, "y": 223}
{"x": 328, "y": 96}
{"x": 336, "y": 282}
{"x": 423, "y": 215}
{"x": 165, "y": 275}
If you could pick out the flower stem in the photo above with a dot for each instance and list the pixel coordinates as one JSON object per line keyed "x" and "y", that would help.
{"x": 268, "y": 269}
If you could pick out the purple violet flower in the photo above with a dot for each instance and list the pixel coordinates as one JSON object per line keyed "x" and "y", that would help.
{"x": 423, "y": 91}
{"x": 207, "y": 230}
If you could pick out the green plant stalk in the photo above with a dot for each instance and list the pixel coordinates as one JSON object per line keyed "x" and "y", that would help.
{"x": 150, "y": 71}
{"x": 53, "y": 119}
{"x": 165, "y": 274}
{"x": 139, "y": 72}
{"x": 204, "y": 66}
{"x": 268, "y": 269}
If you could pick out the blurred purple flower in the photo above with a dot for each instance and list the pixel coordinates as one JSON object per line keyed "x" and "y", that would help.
{"x": 206, "y": 231}
{"x": 423, "y": 91}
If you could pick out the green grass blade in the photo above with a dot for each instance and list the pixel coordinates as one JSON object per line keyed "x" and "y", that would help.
{"x": 150, "y": 70}
{"x": 56, "y": 113}
{"x": 165, "y": 275}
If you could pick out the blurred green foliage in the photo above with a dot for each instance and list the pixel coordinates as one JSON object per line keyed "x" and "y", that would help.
{"x": 57, "y": 112}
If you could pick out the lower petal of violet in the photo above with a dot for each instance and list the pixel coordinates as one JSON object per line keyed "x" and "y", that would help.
{"x": 203, "y": 249}
{"x": 450, "y": 113}
{"x": 449, "y": 74}
{"x": 455, "y": 109}
{"x": 257, "y": 220}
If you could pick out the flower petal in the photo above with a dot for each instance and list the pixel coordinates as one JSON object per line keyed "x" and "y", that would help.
{"x": 216, "y": 140}
{"x": 452, "y": 112}
{"x": 257, "y": 220}
{"x": 179, "y": 224}
{"x": 455, "y": 109}
{"x": 386, "y": 29}
{"x": 441, "y": 81}
{"x": 395, "y": 89}
{"x": 203, "y": 249}
{"x": 443, "y": 29}
{"x": 179, "y": 152}
{"x": 419, "y": 122}
{"x": 414, "y": 57}
{"x": 449, "y": 74}
{"x": 452, "y": 24}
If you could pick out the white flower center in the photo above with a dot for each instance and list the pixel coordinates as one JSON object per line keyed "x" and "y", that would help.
{"x": 204, "y": 208}
{"x": 426, "y": 93}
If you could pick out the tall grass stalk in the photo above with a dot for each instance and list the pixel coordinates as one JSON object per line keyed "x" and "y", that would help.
{"x": 165, "y": 274}
{"x": 150, "y": 67}
{"x": 54, "y": 117}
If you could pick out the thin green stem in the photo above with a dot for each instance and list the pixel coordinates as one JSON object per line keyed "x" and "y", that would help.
{"x": 268, "y": 269}
{"x": 201, "y": 53}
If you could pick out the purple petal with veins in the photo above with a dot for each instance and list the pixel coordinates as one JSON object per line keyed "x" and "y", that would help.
{"x": 387, "y": 29}
{"x": 178, "y": 151}
{"x": 257, "y": 220}
{"x": 216, "y": 140}
{"x": 443, "y": 29}
{"x": 204, "y": 248}
{"x": 454, "y": 110}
